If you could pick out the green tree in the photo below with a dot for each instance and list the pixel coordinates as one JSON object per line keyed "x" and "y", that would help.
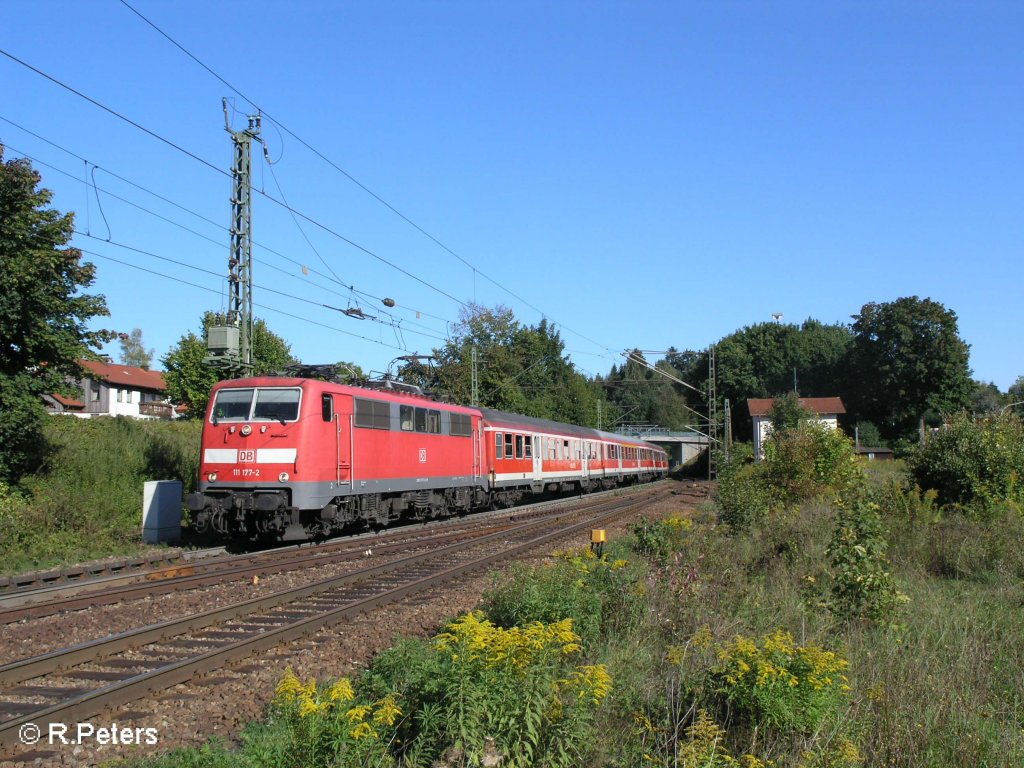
{"x": 520, "y": 368}
{"x": 189, "y": 379}
{"x": 133, "y": 351}
{"x": 43, "y": 313}
{"x": 1016, "y": 390}
{"x": 909, "y": 361}
{"x": 986, "y": 398}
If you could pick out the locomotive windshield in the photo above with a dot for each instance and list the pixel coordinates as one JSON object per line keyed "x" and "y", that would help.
{"x": 256, "y": 405}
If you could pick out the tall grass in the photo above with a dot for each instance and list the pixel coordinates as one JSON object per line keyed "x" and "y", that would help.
{"x": 85, "y": 500}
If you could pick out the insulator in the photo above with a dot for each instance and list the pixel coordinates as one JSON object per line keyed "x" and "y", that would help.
{"x": 388, "y": 302}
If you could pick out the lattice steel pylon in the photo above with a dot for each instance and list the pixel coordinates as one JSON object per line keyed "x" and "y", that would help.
{"x": 714, "y": 445}
{"x": 229, "y": 341}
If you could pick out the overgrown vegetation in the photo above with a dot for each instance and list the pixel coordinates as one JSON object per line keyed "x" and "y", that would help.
{"x": 86, "y": 499}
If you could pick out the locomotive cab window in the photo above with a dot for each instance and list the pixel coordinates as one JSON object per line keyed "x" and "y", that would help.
{"x": 276, "y": 405}
{"x": 232, "y": 405}
{"x": 327, "y": 408}
{"x": 405, "y": 417}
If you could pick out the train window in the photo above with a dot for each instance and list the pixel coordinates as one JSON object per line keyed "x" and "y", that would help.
{"x": 327, "y": 407}
{"x": 508, "y": 445}
{"x": 528, "y": 446}
{"x": 373, "y": 414}
{"x": 519, "y": 446}
{"x": 434, "y": 422}
{"x": 276, "y": 405}
{"x": 421, "y": 419}
{"x": 497, "y": 445}
{"x": 460, "y": 424}
{"x": 232, "y": 405}
{"x": 405, "y": 417}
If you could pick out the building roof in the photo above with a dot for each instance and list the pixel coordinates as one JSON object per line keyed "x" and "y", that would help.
{"x": 762, "y": 406}
{"x": 68, "y": 402}
{"x": 126, "y": 375}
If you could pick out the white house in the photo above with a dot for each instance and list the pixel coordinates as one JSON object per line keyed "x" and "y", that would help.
{"x": 827, "y": 409}
{"x": 116, "y": 390}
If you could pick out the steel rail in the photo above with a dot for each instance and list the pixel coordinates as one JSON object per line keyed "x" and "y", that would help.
{"x": 28, "y": 602}
{"x": 138, "y": 685}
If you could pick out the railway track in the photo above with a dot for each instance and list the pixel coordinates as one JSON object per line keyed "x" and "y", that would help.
{"x": 51, "y": 598}
{"x": 75, "y": 683}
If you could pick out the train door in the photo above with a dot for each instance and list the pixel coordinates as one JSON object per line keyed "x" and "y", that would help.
{"x": 585, "y": 460}
{"x": 337, "y": 412}
{"x": 537, "y": 443}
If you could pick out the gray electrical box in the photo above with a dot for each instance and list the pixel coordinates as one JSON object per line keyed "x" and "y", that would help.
{"x": 161, "y": 511}
{"x": 222, "y": 340}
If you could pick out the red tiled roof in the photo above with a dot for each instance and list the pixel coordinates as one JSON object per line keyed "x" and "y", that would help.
{"x": 67, "y": 402}
{"x": 762, "y": 406}
{"x": 126, "y": 375}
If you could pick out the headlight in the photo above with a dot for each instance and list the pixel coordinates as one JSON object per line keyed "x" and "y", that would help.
{"x": 212, "y": 477}
{"x": 283, "y": 477}
{"x": 247, "y": 429}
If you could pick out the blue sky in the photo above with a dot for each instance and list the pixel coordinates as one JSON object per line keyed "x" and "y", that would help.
{"x": 644, "y": 174}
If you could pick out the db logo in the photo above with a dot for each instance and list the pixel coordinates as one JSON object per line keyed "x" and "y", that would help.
{"x": 249, "y": 456}
{"x": 423, "y": 455}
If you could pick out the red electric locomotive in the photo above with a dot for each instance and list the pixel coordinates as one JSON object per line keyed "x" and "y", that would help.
{"x": 293, "y": 457}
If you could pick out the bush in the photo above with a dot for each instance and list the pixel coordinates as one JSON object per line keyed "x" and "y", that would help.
{"x": 862, "y": 587}
{"x": 977, "y": 464}
{"x": 481, "y": 690}
{"x": 811, "y": 460}
{"x": 778, "y": 684}
{"x": 577, "y": 584}
{"x": 86, "y": 500}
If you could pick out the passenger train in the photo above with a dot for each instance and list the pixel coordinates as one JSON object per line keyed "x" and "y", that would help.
{"x": 295, "y": 457}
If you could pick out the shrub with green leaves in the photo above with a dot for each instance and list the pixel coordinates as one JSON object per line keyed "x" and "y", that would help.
{"x": 657, "y": 539}
{"x": 86, "y": 501}
{"x": 516, "y": 694}
{"x": 862, "y": 586}
{"x": 810, "y": 460}
{"x": 974, "y": 463}
{"x": 780, "y": 684}
{"x": 576, "y": 584}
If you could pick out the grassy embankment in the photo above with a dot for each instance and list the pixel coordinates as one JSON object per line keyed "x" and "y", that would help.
{"x": 861, "y": 625}
{"x": 85, "y": 501}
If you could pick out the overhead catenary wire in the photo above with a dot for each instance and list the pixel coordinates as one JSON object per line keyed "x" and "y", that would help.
{"x": 301, "y": 299}
{"x": 255, "y": 304}
{"x": 350, "y": 288}
{"x": 222, "y": 172}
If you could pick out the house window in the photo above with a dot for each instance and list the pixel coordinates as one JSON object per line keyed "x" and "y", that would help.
{"x": 120, "y": 395}
{"x": 129, "y": 395}
{"x": 94, "y": 389}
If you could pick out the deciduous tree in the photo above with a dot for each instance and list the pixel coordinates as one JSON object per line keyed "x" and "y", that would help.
{"x": 134, "y": 352}
{"x": 43, "y": 312}
{"x": 909, "y": 360}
